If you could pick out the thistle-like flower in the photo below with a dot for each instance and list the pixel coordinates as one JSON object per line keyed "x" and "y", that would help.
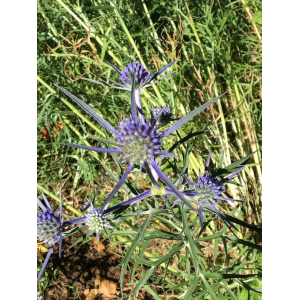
{"x": 139, "y": 141}
{"x": 208, "y": 192}
{"x": 49, "y": 229}
{"x": 135, "y": 74}
{"x": 98, "y": 218}
{"x": 142, "y": 77}
{"x": 94, "y": 218}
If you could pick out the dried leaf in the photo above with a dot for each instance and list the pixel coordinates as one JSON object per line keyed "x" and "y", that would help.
{"x": 45, "y": 133}
{"x": 99, "y": 247}
{"x": 106, "y": 288}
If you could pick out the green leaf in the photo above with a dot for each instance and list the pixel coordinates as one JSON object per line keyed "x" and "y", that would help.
{"x": 233, "y": 167}
{"x": 145, "y": 277}
{"x": 143, "y": 261}
{"x": 226, "y": 276}
{"x": 208, "y": 287}
{"x": 97, "y": 138}
{"x": 257, "y": 17}
{"x": 190, "y": 115}
{"x": 145, "y": 245}
{"x": 239, "y": 241}
{"x": 150, "y": 291}
{"x": 189, "y": 136}
{"x": 134, "y": 244}
{"x": 97, "y": 7}
{"x": 244, "y": 224}
{"x": 77, "y": 241}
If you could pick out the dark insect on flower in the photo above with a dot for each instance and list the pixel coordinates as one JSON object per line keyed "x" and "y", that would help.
{"x": 139, "y": 141}
{"x": 166, "y": 114}
{"x": 208, "y": 192}
{"x": 49, "y": 229}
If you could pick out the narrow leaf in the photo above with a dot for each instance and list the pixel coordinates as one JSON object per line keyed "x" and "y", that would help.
{"x": 190, "y": 115}
{"x": 89, "y": 110}
{"x": 96, "y": 149}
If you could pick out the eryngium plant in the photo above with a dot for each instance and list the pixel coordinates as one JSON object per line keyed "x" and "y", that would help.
{"x": 209, "y": 191}
{"x": 139, "y": 141}
{"x": 49, "y": 229}
{"x": 136, "y": 75}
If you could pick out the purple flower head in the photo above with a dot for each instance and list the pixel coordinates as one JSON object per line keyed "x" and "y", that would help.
{"x": 136, "y": 71}
{"x": 133, "y": 79}
{"x": 49, "y": 228}
{"x": 209, "y": 189}
{"x": 208, "y": 192}
{"x": 138, "y": 143}
{"x": 166, "y": 111}
{"x": 125, "y": 122}
{"x": 138, "y": 140}
{"x": 96, "y": 221}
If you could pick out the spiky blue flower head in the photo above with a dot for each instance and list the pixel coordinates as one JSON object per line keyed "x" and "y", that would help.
{"x": 208, "y": 191}
{"x": 136, "y": 70}
{"x": 166, "y": 111}
{"x": 139, "y": 141}
{"x": 49, "y": 229}
{"x": 124, "y": 123}
{"x": 96, "y": 220}
{"x": 133, "y": 79}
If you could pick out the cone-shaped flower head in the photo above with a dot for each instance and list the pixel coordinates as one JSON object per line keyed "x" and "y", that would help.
{"x": 96, "y": 220}
{"x": 124, "y": 123}
{"x": 142, "y": 77}
{"x": 134, "y": 69}
{"x": 208, "y": 191}
{"x": 133, "y": 79}
{"x": 138, "y": 140}
{"x": 138, "y": 143}
{"x": 49, "y": 229}
{"x": 166, "y": 111}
